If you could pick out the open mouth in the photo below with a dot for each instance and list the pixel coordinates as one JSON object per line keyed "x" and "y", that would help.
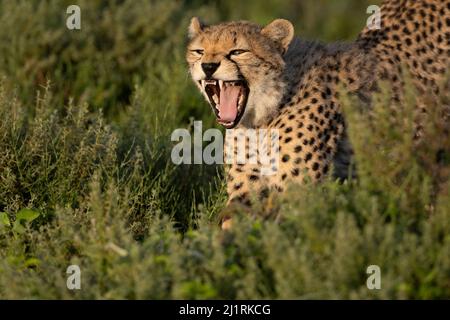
{"x": 228, "y": 99}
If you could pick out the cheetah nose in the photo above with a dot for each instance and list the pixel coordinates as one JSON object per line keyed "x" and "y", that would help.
{"x": 210, "y": 68}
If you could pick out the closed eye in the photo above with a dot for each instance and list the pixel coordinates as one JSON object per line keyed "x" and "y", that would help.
{"x": 197, "y": 51}
{"x": 237, "y": 52}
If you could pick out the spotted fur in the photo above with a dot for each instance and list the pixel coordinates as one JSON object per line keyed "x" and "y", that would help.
{"x": 294, "y": 84}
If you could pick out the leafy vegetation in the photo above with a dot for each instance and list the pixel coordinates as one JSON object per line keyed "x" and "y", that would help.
{"x": 86, "y": 176}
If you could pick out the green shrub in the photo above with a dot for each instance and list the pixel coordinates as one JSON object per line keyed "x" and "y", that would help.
{"x": 114, "y": 216}
{"x": 126, "y": 42}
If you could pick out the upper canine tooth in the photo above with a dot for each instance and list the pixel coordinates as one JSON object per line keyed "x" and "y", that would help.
{"x": 203, "y": 84}
{"x": 220, "y": 84}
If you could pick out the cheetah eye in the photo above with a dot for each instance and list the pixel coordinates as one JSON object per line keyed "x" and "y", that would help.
{"x": 198, "y": 51}
{"x": 237, "y": 52}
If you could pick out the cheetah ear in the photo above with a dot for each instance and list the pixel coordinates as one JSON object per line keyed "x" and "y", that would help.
{"x": 281, "y": 31}
{"x": 195, "y": 27}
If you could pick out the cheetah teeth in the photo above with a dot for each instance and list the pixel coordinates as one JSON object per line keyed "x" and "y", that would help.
{"x": 213, "y": 95}
{"x": 221, "y": 83}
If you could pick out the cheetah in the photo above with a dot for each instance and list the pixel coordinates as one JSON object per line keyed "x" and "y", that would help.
{"x": 265, "y": 78}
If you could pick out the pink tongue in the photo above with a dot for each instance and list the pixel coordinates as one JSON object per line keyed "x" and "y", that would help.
{"x": 229, "y": 103}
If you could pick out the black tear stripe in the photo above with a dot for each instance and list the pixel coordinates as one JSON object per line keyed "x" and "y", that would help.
{"x": 239, "y": 72}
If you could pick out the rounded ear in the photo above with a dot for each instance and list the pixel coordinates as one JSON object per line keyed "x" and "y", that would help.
{"x": 280, "y": 31}
{"x": 195, "y": 27}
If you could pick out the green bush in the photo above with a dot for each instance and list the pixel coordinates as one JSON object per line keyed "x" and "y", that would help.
{"x": 114, "y": 217}
{"x": 122, "y": 43}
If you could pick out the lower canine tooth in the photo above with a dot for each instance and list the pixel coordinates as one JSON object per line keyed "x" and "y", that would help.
{"x": 216, "y": 99}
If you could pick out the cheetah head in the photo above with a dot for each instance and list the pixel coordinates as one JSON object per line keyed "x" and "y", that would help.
{"x": 238, "y": 66}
